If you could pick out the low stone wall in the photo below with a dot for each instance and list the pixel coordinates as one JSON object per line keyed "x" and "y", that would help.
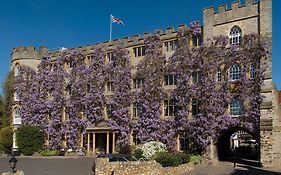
{"x": 16, "y": 173}
{"x": 104, "y": 167}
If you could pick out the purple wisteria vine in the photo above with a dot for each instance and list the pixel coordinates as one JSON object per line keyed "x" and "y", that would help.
{"x": 120, "y": 75}
{"x": 203, "y": 92}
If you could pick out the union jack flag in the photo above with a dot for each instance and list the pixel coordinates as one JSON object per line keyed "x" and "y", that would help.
{"x": 116, "y": 20}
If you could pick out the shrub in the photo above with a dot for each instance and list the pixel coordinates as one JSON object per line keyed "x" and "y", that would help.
{"x": 6, "y": 140}
{"x": 29, "y": 139}
{"x": 171, "y": 159}
{"x": 126, "y": 149}
{"x": 185, "y": 158}
{"x": 167, "y": 159}
{"x": 195, "y": 159}
{"x": 138, "y": 154}
{"x": 151, "y": 148}
{"x": 48, "y": 152}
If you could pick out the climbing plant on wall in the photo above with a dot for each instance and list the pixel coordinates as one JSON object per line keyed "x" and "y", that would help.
{"x": 203, "y": 93}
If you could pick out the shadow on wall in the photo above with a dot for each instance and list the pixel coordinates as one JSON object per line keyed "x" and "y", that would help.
{"x": 253, "y": 171}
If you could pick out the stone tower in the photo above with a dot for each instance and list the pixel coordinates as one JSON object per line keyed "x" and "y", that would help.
{"x": 253, "y": 17}
{"x": 27, "y": 56}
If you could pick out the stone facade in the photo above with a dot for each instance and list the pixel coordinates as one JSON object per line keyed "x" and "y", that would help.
{"x": 251, "y": 17}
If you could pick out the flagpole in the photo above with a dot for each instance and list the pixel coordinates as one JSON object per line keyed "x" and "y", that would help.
{"x": 110, "y": 27}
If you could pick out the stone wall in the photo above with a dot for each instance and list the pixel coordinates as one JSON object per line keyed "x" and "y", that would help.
{"x": 104, "y": 167}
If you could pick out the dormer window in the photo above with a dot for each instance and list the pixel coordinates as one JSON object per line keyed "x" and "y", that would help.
{"x": 235, "y": 36}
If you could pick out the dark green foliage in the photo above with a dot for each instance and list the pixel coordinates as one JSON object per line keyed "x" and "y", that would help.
{"x": 48, "y": 152}
{"x": 8, "y": 91}
{"x": 126, "y": 149}
{"x": 185, "y": 158}
{"x": 2, "y": 116}
{"x": 138, "y": 153}
{"x": 171, "y": 159}
{"x": 6, "y": 140}
{"x": 29, "y": 139}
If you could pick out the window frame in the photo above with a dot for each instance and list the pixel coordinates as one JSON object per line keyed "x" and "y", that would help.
{"x": 170, "y": 80}
{"x": 170, "y": 107}
{"x": 235, "y": 107}
{"x": 235, "y": 36}
{"x": 235, "y": 72}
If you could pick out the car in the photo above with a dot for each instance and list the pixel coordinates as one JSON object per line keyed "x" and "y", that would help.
{"x": 117, "y": 157}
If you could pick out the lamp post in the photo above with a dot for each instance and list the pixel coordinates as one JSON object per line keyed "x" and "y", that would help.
{"x": 13, "y": 163}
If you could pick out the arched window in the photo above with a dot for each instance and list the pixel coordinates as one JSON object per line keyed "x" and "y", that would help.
{"x": 17, "y": 117}
{"x": 16, "y": 96}
{"x": 16, "y": 69}
{"x": 235, "y": 36}
{"x": 235, "y": 107}
{"x": 235, "y": 72}
{"x": 252, "y": 72}
{"x": 219, "y": 75}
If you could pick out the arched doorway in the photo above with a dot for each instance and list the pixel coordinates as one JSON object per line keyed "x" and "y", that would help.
{"x": 238, "y": 143}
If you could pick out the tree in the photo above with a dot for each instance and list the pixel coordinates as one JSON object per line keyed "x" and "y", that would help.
{"x": 2, "y": 115}
{"x": 8, "y": 91}
{"x": 30, "y": 139}
{"x": 6, "y": 139}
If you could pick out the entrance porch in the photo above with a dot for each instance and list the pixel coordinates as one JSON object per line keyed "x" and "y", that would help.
{"x": 100, "y": 140}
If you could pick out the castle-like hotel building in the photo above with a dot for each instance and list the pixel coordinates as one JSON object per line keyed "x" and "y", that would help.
{"x": 234, "y": 22}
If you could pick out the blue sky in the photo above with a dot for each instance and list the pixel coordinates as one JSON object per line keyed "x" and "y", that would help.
{"x": 72, "y": 23}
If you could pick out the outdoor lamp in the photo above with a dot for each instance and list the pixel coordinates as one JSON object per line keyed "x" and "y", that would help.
{"x": 13, "y": 162}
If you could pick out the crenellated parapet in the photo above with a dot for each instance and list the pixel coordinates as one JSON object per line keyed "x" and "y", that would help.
{"x": 28, "y": 52}
{"x": 27, "y": 55}
{"x": 133, "y": 41}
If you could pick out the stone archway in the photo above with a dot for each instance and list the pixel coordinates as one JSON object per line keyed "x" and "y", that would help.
{"x": 238, "y": 143}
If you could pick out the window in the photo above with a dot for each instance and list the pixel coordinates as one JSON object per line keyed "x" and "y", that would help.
{"x": 109, "y": 110}
{"x": 68, "y": 90}
{"x": 252, "y": 72}
{"x": 109, "y": 56}
{"x": 136, "y": 140}
{"x": 139, "y": 51}
{"x": 196, "y": 40}
{"x": 90, "y": 59}
{"x": 16, "y": 96}
{"x": 138, "y": 83}
{"x": 219, "y": 75}
{"x": 17, "y": 117}
{"x": 170, "y": 45}
{"x": 109, "y": 86}
{"x": 183, "y": 140}
{"x": 195, "y": 106}
{"x": 235, "y": 36}
{"x": 235, "y": 107}
{"x": 235, "y": 72}
{"x": 170, "y": 108}
{"x": 71, "y": 64}
{"x": 196, "y": 77}
{"x": 16, "y": 69}
{"x": 170, "y": 80}
{"x": 137, "y": 109}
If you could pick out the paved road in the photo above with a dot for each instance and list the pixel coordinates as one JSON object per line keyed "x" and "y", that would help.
{"x": 226, "y": 168}
{"x": 50, "y": 166}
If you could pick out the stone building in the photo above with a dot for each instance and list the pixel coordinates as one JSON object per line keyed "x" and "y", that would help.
{"x": 234, "y": 21}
